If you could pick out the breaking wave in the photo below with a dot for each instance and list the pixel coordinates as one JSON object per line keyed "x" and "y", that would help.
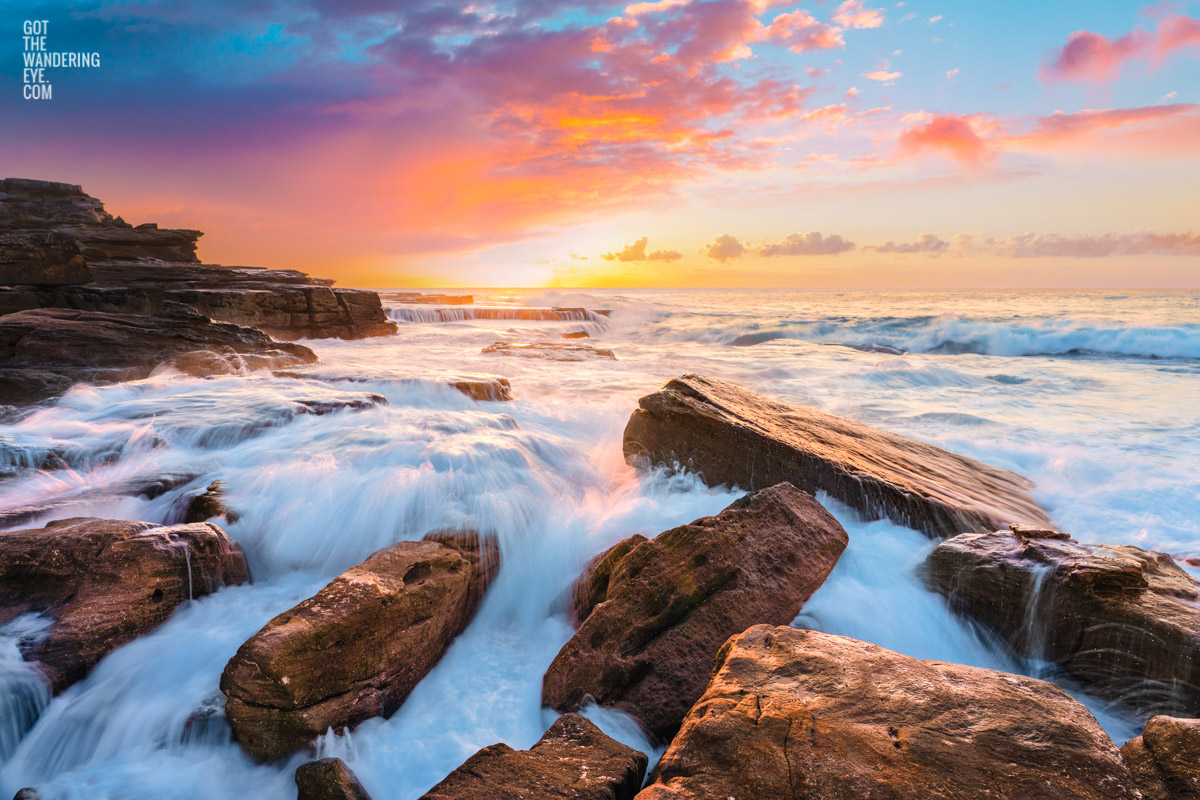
{"x": 950, "y": 334}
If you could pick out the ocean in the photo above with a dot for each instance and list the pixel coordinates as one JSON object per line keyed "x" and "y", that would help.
{"x": 1092, "y": 395}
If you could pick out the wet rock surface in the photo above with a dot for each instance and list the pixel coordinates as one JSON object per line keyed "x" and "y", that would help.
{"x": 106, "y": 582}
{"x": 802, "y": 714}
{"x": 45, "y": 351}
{"x": 1122, "y": 621}
{"x": 328, "y": 779}
{"x": 553, "y": 351}
{"x": 574, "y": 759}
{"x": 1165, "y": 759}
{"x": 730, "y": 435}
{"x": 358, "y": 647}
{"x": 655, "y": 612}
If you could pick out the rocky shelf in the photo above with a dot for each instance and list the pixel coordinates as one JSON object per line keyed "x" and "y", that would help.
{"x": 60, "y": 249}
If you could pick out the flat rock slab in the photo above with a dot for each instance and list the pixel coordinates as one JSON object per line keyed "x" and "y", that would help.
{"x": 655, "y": 612}
{"x": 328, "y": 779}
{"x": 356, "y": 649}
{"x": 106, "y": 582}
{"x": 732, "y": 436}
{"x": 805, "y": 715}
{"x": 1165, "y": 759}
{"x": 44, "y": 351}
{"x": 1122, "y": 621}
{"x": 573, "y": 759}
{"x": 552, "y": 351}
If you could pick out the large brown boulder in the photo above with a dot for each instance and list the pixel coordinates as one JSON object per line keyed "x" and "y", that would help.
{"x": 1123, "y": 621}
{"x": 729, "y": 435}
{"x": 328, "y": 779}
{"x": 106, "y": 582}
{"x": 44, "y": 351}
{"x": 1165, "y": 759}
{"x": 654, "y": 620}
{"x": 573, "y": 760}
{"x": 356, "y": 649}
{"x": 805, "y": 715}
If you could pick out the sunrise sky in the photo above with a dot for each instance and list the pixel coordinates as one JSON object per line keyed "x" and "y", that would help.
{"x": 720, "y": 143}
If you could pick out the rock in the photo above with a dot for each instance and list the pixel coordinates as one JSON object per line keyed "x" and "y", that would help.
{"x": 802, "y": 714}
{"x": 484, "y": 387}
{"x": 138, "y": 270}
{"x": 1122, "y": 621}
{"x": 553, "y": 351}
{"x": 577, "y": 335}
{"x": 1165, "y": 759}
{"x": 328, "y": 779}
{"x": 41, "y": 259}
{"x": 44, "y": 352}
{"x": 667, "y": 605}
{"x": 358, "y": 647}
{"x": 573, "y": 759}
{"x": 209, "y": 505}
{"x": 729, "y": 435}
{"x": 106, "y": 582}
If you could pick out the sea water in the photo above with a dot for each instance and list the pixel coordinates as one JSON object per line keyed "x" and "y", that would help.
{"x": 1092, "y": 395}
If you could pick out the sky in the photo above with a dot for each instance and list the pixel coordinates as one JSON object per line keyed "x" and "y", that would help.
{"x": 420, "y": 143}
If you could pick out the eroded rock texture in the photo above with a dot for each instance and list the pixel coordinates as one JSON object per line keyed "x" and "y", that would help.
{"x": 729, "y": 435}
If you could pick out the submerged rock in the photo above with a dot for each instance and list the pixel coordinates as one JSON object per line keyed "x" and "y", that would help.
{"x": 44, "y": 352}
{"x": 484, "y": 387}
{"x": 795, "y": 713}
{"x": 209, "y": 505}
{"x": 1165, "y": 759}
{"x": 553, "y": 351}
{"x": 106, "y": 582}
{"x": 729, "y": 435}
{"x": 328, "y": 779}
{"x": 573, "y": 760}
{"x": 656, "y": 611}
{"x": 1123, "y": 621}
{"x": 358, "y": 647}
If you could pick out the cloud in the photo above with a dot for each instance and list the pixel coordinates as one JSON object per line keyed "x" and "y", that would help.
{"x": 637, "y": 252}
{"x": 665, "y": 255}
{"x": 630, "y": 252}
{"x": 723, "y": 248}
{"x": 810, "y": 244}
{"x": 851, "y": 14}
{"x": 935, "y": 19}
{"x": 952, "y": 74}
{"x": 951, "y": 134}
{"x": 800, "y": 32}
{"x": 927, "y": 243}
{"x": 1088, "y": 56}
{"x": 881, "y": 74}
{"x": 1042, "y": 245}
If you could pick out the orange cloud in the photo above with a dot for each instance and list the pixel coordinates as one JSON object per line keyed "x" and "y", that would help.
{"x": 637, "y": 252}
{"x": 723, "y": 248}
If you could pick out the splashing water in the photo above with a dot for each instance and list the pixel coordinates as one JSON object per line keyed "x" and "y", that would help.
{"x": 324, "y": 472}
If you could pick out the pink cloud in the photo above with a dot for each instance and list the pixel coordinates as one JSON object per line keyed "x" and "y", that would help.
{"x": 951, "y": 134}
{"x": 799, "y": 31}
{"x": 1089, "y": 56}
{"x": 851, "y": 14}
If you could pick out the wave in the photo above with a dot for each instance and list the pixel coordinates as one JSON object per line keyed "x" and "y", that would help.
{"x": 461, "y": 314}
{"x": 950, "y": 334}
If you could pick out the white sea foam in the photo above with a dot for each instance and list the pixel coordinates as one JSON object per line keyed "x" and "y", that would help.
{"x": 1111, "y": 443}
